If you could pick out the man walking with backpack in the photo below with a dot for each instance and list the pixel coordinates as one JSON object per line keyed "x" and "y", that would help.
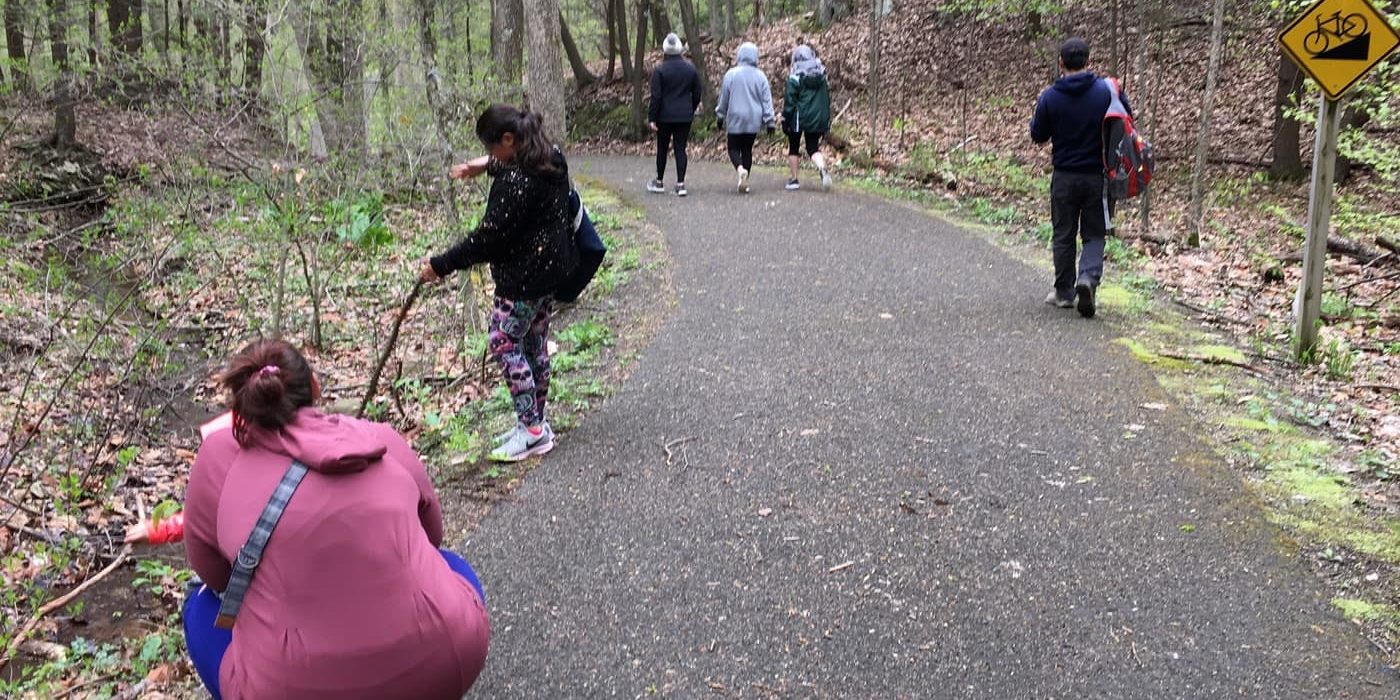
{"x": 675, "y": 94}
{"x": 1070, "y": 114}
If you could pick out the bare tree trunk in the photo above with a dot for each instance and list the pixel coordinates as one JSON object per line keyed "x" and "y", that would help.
{"x": 610, "y": 6}
{"x": 348, "y": 21}
{"x": 254, "y": 47}
{"x": 546, "y": 66}
{"x": 94, "y": 36}
{"x": 180, "y": 22}
{"x": 873, "y": 86}
{"x": 1217, "y": 39}
{"x": 697, "y": 52}
{"x": 431, "y": 76}
{"x": 715, "y": 16}
{"x": 1114, "y": 34}
{"x": 14, "y": 44}
{"x": 124, "y": 24}
{"x": 623, "y": 51}
{"x": 582, "y": 77}
{"x": 508, "y": 38}
{"x": 660, "y": 22}
{"x": 65, "y": 119}
{"x": 1146, "y": 107}
{"x": 731, "y": 25}
{"x": 758, "y": 13}
{"x": 1288, "y": 160}
{"x": 1355, "y": 117}
{"x": 639, "y": 117}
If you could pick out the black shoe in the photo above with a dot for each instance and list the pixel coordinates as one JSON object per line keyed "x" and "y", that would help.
{"x": 1084, "y": 293}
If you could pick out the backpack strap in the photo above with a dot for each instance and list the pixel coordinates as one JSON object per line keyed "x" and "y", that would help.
{"x": 250, "y": 554}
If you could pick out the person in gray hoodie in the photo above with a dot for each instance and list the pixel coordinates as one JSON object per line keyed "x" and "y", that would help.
{"x": 745, "y": 106}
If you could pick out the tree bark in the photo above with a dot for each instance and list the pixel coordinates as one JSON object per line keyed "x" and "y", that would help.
{"x": 639, "y": 116}
{"x": 715, "y": 17}
{"x": 623, "y": 51}
{"x": 94, "y": 36}
{"x": 1217, "y": 39}
{"x": 731, "y": 25}
{"x": 508, "y": 38}
{"x": 758, "y": 13}
{"x": 254, "y": 46}
{"x": 431, "y": 77}
{"x": 1355, "y": 117}
{"x": 124, "y": 24}
{"x": 609, "y": 7}
{"x": 697, "y": 52}
{"x": 582, "y": 76}
{"x": 546, "y": 67}
{"x": 873, "y": 88}
{"x": 14, "y": 44}
{"x": 660, "y": 22}
{"x": 1287, "y": 161}
{"x": 65, "y": 120}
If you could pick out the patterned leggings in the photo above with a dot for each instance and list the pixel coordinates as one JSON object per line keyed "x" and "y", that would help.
{"x": 519, "y": 334}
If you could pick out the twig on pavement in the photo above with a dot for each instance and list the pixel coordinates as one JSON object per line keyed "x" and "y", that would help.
{"x": 675, "y": 443}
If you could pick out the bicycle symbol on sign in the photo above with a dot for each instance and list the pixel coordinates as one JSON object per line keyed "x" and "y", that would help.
{"x": 1320, "y": 39}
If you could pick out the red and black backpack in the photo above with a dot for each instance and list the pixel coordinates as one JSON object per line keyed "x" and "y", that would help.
{"x": 1127, "y": 157}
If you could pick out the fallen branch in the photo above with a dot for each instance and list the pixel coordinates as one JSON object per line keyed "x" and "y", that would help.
{"x": 388, "y": 348}
{"x": 1341, "y": 247}
{"x": 1211, "y": 360}
{"x": 59, "y": 602}
{"x": 1380, "y": 387}
{"x": 1368, "y": 280}
{"x": 1388, "y": 244}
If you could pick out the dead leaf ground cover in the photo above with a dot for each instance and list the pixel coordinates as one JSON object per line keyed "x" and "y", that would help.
{"x": 121, "y": 312}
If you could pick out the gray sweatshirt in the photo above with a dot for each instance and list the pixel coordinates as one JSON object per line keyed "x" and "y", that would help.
{"x": 746, "y": 98}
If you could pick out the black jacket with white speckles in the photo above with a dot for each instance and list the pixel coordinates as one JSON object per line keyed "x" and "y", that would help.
{"x": 526, "y": 233}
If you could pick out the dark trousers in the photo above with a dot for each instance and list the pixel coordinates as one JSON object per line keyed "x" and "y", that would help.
{"x": 668, "y": 136}
{"x": 741, "y": 150}
{"x": 1079, "y": 209}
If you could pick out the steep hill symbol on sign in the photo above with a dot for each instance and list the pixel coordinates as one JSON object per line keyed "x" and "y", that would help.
{"x": 1339, "y": 38}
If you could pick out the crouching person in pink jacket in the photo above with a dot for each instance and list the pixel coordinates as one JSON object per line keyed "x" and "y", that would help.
{"x": 350, "y": 597}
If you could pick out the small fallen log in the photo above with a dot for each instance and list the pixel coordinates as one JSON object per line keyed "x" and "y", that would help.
{"x": 1343, "y": 248}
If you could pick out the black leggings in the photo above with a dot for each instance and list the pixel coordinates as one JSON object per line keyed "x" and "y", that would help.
{"x": 741, "y": 150}
{"x": 668, "y": 135}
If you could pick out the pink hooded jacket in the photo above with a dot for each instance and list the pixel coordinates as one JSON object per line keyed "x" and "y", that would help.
{"x": 352, "y": 599}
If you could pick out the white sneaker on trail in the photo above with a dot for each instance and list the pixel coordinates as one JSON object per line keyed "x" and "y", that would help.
{"x": 500, "y": 439}
{"x": 826, "y": 179}
{"x": 656, "y": 187}
{"x": 522, "y": 445}
{"x": 743, "y": 179}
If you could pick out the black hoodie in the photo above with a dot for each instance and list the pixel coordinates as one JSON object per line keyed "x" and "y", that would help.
{"x": 675, "y": 92}
{"x": 1070, "y": 114}
{"x": 526, "y": 233}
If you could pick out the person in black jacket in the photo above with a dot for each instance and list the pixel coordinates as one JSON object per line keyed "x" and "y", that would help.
{"x": 675, "y": 95}
{"x": 526, "y": 235}
{"x": 1070, "y": 115}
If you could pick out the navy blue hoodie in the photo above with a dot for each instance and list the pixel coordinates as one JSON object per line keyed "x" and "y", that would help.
{"x": 1069, "y": 114}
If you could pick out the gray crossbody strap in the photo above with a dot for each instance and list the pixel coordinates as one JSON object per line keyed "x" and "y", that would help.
{"x": 250, "y": 554}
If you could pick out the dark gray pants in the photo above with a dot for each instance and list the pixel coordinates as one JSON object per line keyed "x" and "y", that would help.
{"x": 1079, "y": 208}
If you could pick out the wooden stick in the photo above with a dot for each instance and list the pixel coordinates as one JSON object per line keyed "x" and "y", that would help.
{"x": 388, "y": 348}
{"x": 59, "y": 602}
{"x": 1206, "y": 359}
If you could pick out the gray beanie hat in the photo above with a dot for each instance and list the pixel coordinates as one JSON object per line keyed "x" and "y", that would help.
{"x": 672, "y": 45}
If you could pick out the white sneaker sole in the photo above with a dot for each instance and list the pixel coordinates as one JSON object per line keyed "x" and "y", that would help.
{"x": 826, "y": 180}
{"x": 744, "y": 181}
{"x": 535, "y": 451}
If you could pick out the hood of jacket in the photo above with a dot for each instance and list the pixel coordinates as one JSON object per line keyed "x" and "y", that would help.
{"x": 330, "y": 444}
{"x": 747, "y": 54}
{"x": 1076, "y": 84}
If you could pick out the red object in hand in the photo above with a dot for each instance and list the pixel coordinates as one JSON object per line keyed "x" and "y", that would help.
{"x": 171, "y": 529}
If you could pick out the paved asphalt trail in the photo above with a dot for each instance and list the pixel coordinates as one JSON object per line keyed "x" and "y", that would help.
{"x": 1038, "y": 553}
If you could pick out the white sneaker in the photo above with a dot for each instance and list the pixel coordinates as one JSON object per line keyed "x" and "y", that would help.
{"x": 743, "y": 179}
{"x": 656, "y": 187}
{"x": 826, "y": 179}
{"x": 522, "y": 445}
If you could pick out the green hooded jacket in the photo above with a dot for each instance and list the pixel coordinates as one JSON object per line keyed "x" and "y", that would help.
{"x": 807, "y": 104}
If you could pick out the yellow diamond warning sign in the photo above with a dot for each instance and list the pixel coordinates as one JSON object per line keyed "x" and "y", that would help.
{"x": 1337, "y": 42}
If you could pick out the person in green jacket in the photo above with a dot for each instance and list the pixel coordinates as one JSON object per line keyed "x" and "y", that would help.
{"x": 806, "y": 112}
